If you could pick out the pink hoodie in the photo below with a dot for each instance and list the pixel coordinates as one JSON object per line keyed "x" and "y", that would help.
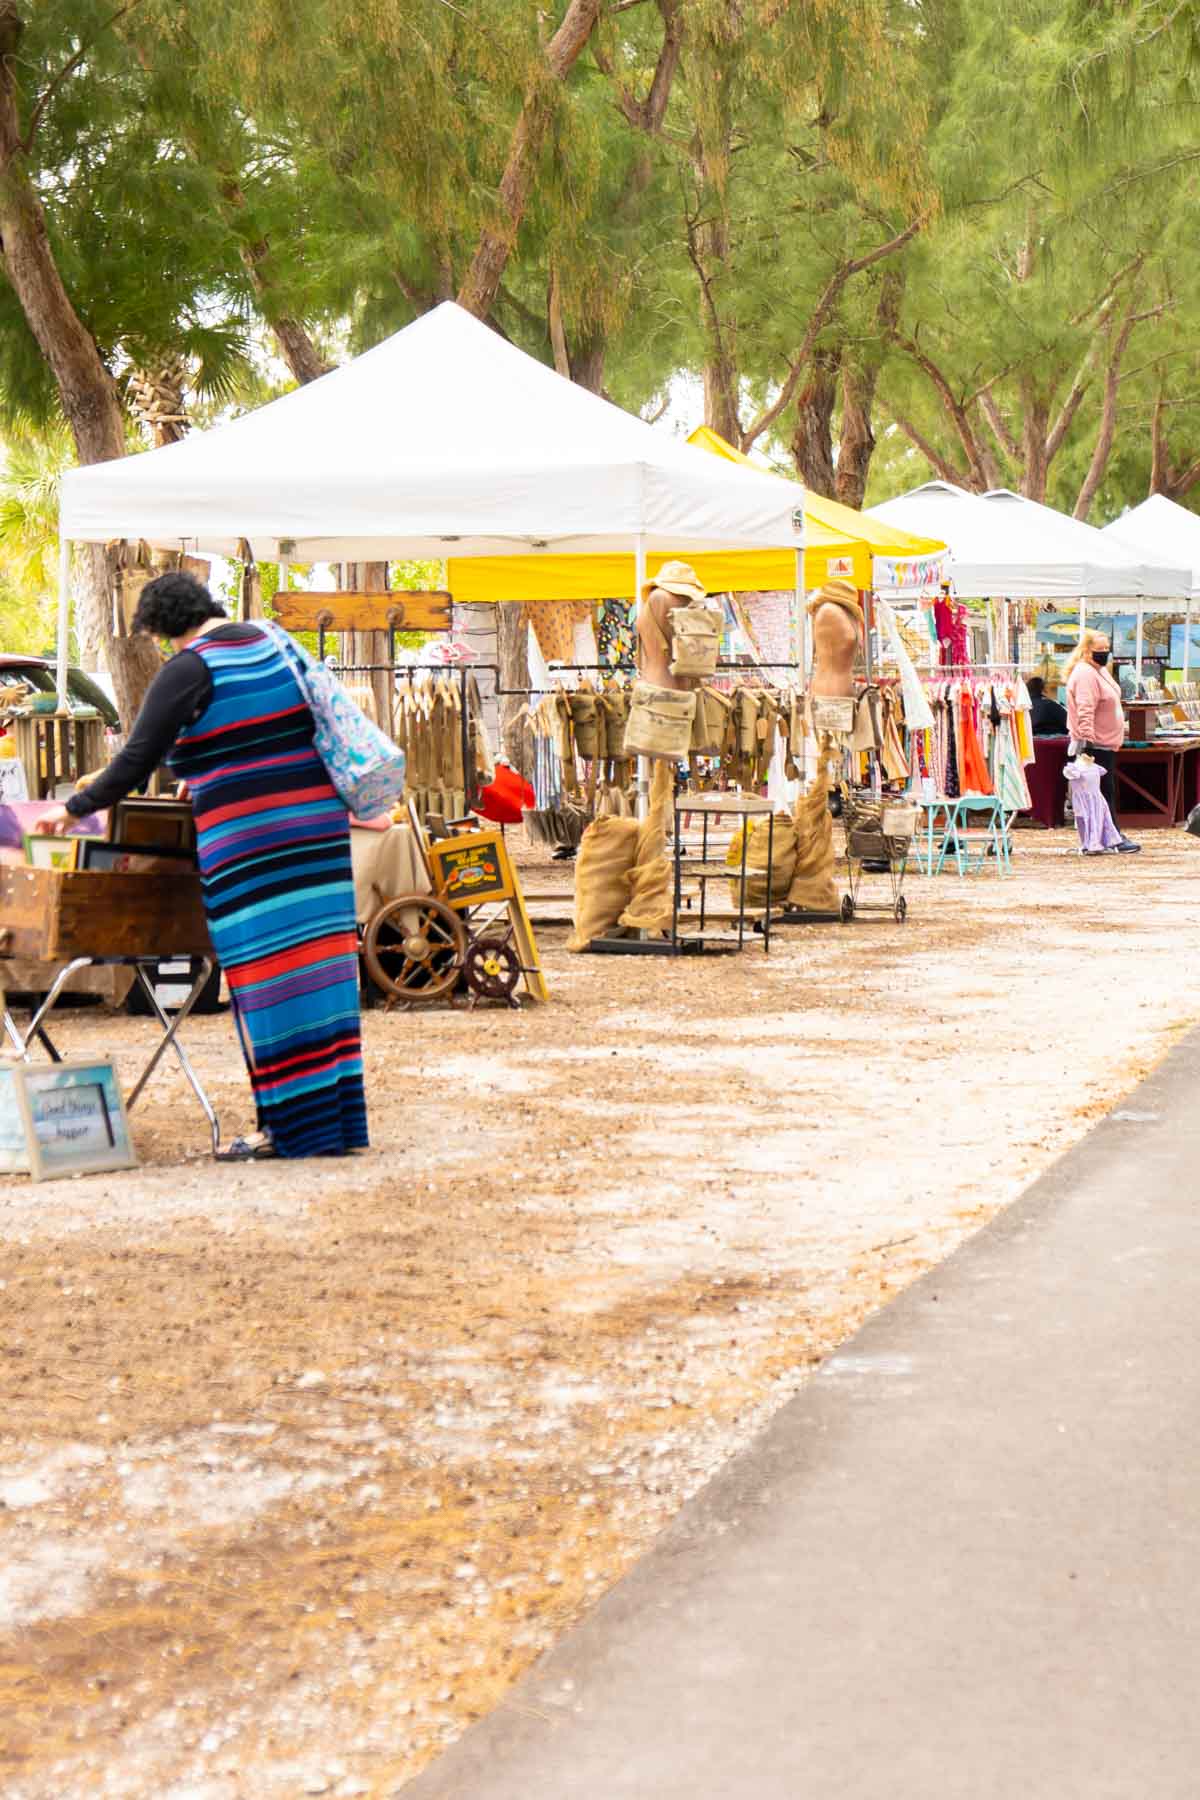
{"x": 1094, "y": 711}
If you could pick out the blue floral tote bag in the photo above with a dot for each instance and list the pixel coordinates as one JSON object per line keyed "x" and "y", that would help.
{"x": 363, "y": 764}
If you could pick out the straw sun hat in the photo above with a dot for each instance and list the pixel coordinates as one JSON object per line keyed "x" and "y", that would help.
{"x": 839, "y": 593}
{"x": 677, "y": 578}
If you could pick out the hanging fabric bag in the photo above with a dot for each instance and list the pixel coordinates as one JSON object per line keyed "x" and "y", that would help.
{"x": 696, "y": 638}
{"x": 365, "y": 767}
{"x": 660, "y": 721}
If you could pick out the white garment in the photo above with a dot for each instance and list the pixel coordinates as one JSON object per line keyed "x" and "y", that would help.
{"x": 918, "y": 715}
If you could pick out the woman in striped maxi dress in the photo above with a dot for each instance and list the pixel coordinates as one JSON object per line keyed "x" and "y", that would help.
{"x": 273, "y": 846}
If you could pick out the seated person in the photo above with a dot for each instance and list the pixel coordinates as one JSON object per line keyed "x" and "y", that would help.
{"x": 1049, "y": 718}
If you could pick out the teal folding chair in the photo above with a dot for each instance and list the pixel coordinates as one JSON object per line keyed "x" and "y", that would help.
{"x": 926, "y": 843}
{"x": 973, "y": 844}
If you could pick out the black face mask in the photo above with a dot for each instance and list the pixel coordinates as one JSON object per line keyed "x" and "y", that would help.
{"x": 1100, "y": 657}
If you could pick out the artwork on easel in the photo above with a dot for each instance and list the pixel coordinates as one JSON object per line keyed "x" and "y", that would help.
{"x": 473, "y": 868}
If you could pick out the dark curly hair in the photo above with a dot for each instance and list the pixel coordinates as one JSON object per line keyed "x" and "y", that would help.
{"x": 172, "y": 605}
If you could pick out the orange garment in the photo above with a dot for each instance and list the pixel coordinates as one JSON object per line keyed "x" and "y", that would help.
{"x": 554, "y": 623}
{"x": 973, "y": 776}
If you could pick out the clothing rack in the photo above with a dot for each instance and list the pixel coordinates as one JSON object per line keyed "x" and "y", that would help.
{"x": 407, "y": 672}
{"x": 746, "y": 668}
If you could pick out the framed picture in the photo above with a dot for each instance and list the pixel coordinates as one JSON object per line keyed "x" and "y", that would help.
{"x": 73, "y": 1118}
{"x": 98, "y": 856}
{"x": 153, "y": 824}
{"x": 44, "y": 852}
{"x": 470, "y": 868}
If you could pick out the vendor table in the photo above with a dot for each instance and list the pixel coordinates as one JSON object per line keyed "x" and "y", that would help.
{"x": 69, "y": 920}
{"x": 1047, "y": 784}
{"x": 386, "y": 864}
{"x": 145, "y": 970}
{"x": 1151, "y": 790}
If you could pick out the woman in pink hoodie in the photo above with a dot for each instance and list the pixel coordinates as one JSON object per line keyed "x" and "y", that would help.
{"x": 1095, "y": 715}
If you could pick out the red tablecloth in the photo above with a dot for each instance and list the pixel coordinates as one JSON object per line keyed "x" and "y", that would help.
{"x": 1047, "y": 784}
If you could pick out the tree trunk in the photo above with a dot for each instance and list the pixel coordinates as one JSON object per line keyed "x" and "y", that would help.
{"x": 512, "y": 654}
{"x": 722, "y": 408}
{"x": 364, "y": 647}
{"x": 1035, "y": 430}
{"x": 856, "y": 444}
{"x": 479, "y": 290}
{"x": 88, "y": 394}
{"x": 860, "y": 376}
{"x": 588, "y": 358}
{"x": 812, "y": 439}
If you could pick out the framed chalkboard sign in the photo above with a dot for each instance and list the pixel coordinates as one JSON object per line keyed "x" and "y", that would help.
{"x": 65, "y": 1118}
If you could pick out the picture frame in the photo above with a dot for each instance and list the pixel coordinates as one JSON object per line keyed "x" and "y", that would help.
{"x": 101, "y": 856}
{"x": 72, "y": 1117}
{"x": 43, "y": 851}
{"x": 153, "y": 824}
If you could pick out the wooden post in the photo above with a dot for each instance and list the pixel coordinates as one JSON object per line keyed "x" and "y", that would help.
{"x": 512, "y": 654}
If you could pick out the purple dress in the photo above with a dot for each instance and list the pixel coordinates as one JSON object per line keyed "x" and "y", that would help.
{"x": 1093, "y": 820}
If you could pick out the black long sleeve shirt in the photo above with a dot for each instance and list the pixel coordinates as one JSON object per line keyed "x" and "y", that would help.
{"x": 1049, "y": 719}
{"x": 178, "y": 694}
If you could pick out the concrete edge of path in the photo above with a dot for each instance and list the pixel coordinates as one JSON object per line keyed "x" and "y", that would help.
{"x": 974, "y": 1522}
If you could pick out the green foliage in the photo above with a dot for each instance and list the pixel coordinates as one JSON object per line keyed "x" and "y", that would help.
{"x": 209, "y": 173}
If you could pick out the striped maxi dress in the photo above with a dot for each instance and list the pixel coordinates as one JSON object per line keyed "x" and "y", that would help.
{"x": 273, "y": 845}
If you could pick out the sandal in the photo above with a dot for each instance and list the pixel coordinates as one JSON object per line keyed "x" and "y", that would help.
{"x": 258, "y": 1148}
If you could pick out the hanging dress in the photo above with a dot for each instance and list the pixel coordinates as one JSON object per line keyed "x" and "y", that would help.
{"x": 273, "y": 846}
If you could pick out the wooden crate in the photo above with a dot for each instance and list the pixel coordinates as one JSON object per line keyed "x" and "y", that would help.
{"x": 53, "y": 915}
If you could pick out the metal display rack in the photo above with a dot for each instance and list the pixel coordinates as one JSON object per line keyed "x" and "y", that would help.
{"x": 715, "y": 805}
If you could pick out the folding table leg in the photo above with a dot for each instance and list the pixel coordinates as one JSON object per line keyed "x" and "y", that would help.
{"x": 170, "y": 1040}
{"x": 36, "y": 1028}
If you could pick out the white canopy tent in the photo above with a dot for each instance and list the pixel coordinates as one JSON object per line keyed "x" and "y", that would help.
{"x": 1006, "y": 546}
{"x": 1161, "y": 527}
{"x": 442, "y": 441}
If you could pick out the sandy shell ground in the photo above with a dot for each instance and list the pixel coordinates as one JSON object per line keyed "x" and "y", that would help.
{"x": 301, "y": 1465}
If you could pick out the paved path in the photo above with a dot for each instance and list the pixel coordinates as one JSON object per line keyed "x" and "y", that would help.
{"x": 963, "y": 1562}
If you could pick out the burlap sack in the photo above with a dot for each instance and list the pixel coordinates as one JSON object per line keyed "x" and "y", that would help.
{"x": 606, "y": 854}
{"x": 812, "y": 886}
{"x": 660, "y": 722}
{"x": 649, "y": 880}
{"x": 696, "y": 638}
{"x": 758, "y": 876}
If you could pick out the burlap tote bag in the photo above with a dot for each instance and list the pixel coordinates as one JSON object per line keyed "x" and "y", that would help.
{"x": 708, "y": 727}
{"x": 660, "y": 722}
{"x": 696, "y": 638}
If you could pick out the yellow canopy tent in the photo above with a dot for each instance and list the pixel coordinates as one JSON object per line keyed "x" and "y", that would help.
{"x": 838, "y": 542}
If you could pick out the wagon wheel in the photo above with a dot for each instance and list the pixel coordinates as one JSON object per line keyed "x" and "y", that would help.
{"x": 847, "y": 909}
{"x": 901, "y": 909}
{"x": 492, "y": 969}
{"x": 414, "y": 948}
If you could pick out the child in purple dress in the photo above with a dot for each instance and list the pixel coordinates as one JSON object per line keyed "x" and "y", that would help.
{"x": 1097, "y": 834}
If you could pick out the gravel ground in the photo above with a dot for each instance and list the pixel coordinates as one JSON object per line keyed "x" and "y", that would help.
{"x": 300, "y": 1466}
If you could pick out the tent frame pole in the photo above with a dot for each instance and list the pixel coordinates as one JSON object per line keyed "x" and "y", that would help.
{"x": 1141, "y": 636}
{"x": 1187, "y": 638}
{"x": 802, "y": 657}
{"x": 639, "y": 582}
{"x": 63, "y": 656}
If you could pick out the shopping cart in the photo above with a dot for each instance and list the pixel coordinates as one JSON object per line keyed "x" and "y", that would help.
{"x": 886, "y": 847}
